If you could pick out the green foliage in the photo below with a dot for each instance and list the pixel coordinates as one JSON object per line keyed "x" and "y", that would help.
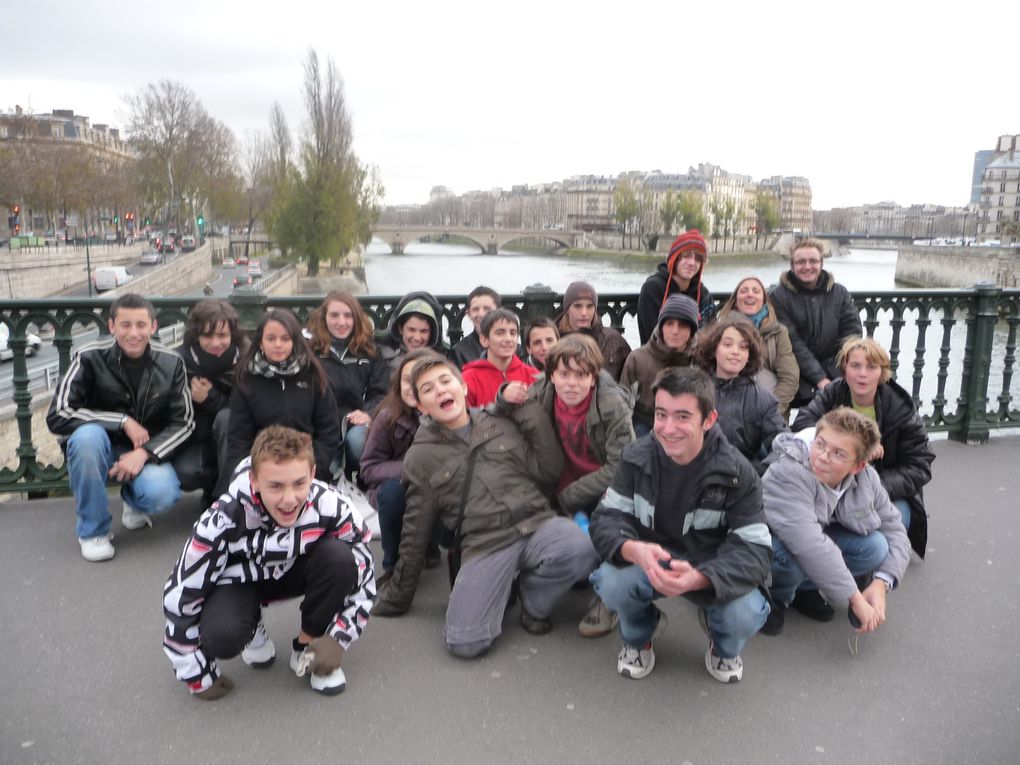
{"x": 691, "y": 212}
{"x": 669, "y": 211}
{"x": 766, "y": 212}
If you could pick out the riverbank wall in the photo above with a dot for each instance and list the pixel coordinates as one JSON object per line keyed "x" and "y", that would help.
{"x": 957, "y": 266}
{"x": 35, "y": 272}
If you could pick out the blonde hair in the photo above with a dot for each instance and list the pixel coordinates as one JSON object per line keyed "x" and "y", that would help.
{"x": 810, "y": 241}
{"x": 845, "y": 420}
{"x": 873, "y": 352}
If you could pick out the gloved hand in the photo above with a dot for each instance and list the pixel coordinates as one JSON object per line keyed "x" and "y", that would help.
{"x": 220, "y": 688}
{"x": 326, "y": 655}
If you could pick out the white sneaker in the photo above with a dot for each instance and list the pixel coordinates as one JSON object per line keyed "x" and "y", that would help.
{"x": 723, "y": 670}
{"x": 637, "y": 662}
{"x": 134, "y": 520}
{"x": 328, "y": 685}
{"x": 260, "y": 653}
{"x": 96, "y": 549}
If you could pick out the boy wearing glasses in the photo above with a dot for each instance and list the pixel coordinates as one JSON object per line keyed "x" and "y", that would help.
{"x": 835, "y": 534}
{"x": 819, "y": 315}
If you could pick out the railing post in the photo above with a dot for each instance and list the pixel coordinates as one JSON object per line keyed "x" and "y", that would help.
{"x": 977, "y": 358}
{"x": 250, "y": 306}
{"x": 538, "y": 301}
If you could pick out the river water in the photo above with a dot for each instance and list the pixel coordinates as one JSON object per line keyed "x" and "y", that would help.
{"x": 446, "y": 269}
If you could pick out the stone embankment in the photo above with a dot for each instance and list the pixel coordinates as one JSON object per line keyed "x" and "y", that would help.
{"x": 958, "y": 266}
{"x": 37, "y": 272}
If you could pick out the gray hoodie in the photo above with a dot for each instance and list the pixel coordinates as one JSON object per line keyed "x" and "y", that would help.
{"x": 798, "y": 507}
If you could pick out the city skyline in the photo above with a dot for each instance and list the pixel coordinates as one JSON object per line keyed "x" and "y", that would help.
{"x": 444, "y": 96}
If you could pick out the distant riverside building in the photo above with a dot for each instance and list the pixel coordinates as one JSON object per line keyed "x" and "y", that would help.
{"x": 981, "y": 160}
{"x": 793, "y": 194}
{"x": 63, "y": 126}
{"x": 921, "y": 221}
{"x": 999, "y": 204}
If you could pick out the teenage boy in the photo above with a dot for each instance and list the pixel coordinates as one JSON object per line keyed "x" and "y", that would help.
{"x": 591, "y": 414}
{"x": 480, "y": 301}
{"x": 509, "y": 458}
{"x": 539, "y": 337}
{"x": 499, "y": 334}
{"x": 832, "y": 523}
{"x": 415, "y": 324}
{"x": 683, "y": 516}
{"x": 681, "y": 274}
{"x": 580, "y": 314}
{"x": 671, "y": 345}
{"x": 125, "y": 405}
{"x": 278, "y": 533}
{"x": 819, "y": 314}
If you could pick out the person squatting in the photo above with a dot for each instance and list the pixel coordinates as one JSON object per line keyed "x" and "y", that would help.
{"x": 529, "y": 473}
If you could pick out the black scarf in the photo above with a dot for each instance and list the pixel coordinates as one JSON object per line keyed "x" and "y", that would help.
{"x": 212, "y": 367}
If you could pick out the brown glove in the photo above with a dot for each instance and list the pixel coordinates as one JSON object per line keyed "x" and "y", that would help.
{"x": 220, "y": 688}
{"x": 327, "y": 655}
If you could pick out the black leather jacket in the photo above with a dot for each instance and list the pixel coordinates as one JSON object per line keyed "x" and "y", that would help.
{"x": 96, "y": 390}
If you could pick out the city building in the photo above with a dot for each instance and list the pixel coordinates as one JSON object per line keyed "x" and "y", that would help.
{"x": 999, "y": 204}
{"x": 981, "y": 160}
{"x": 793, "y": 196}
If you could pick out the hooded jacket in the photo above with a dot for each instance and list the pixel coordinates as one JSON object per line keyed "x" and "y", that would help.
{"x": 779, "y": 374}
{"x": 659, "y": 286}
{"x": 725, "y": 536}
{"x": 484, "y": 379}
{"x": 608, "y": 424}
{"x": 96, "y": 390}
{"x": 358, "y": 382}
{"x": 518, "y": 460}
{"x": 610, "y": 342}
{"x": 799, "y": 507}
{"x": 819, "y": 319}
{"x": 905, "y": 466}
{"x": 641, "y": 367}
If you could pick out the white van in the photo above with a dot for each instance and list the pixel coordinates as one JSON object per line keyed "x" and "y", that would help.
{"x": 187, "y": 243}
{"x": 111, "y": 277}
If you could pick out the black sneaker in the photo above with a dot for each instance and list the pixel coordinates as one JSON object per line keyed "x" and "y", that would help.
{"x": 774, "y": 623}
{"x": 813, "y": 605}
{"x": 533, "y": 625}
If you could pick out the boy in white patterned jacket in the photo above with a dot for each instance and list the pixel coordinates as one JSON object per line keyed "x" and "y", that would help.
{"x": 276, "y": 534}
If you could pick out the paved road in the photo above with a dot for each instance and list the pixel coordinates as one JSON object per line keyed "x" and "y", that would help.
{"x": 84, "y": 679}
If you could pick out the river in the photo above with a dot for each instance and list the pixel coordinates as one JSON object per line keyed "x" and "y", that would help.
{"x": 447, "y": 269}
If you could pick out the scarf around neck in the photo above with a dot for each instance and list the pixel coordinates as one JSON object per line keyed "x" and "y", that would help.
{"x": 260, "y": 366}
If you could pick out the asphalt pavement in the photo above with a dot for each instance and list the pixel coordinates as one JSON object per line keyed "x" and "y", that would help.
{"x": 84, "y": 678}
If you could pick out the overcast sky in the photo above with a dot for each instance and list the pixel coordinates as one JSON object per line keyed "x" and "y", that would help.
{"x": 874, "y": 101}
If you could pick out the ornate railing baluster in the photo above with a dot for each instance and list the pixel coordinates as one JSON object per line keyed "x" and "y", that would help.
{"x": 922, "y": 322}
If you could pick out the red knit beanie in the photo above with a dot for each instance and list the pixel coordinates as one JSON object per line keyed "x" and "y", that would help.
{"x": 688, "y": 240}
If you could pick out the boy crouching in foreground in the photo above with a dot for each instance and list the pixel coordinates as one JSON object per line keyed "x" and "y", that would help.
{"x": 482, "y": 474}
{"x": 835, "y": 534}
{"x": 283, "y": 535}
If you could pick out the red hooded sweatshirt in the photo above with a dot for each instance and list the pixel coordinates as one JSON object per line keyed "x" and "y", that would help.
{"x": 483, "y": 379}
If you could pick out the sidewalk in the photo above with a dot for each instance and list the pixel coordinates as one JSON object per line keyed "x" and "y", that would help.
{"x": 83, "y": 678}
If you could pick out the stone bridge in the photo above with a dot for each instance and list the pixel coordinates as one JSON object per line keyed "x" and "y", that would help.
{"x": 489, "y": 240}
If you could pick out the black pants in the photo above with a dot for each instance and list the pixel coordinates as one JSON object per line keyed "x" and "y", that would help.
{"x": 326, "y": 577}
{"x": 198, "y": 462}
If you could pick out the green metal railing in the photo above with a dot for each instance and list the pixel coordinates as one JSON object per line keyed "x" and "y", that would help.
{"x": 959, "y": 346}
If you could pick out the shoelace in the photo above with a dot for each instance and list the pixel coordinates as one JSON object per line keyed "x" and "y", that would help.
{"x": 304, "y": 661}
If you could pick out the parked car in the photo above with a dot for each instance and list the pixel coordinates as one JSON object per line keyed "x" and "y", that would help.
{"x": 110, "y": 236}
{"x": 150, "y": 257}
{"x": 33, "y": 343}
{"x": 111, "y": 277}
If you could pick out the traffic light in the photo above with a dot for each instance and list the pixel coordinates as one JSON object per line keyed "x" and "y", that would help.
{"x": 116, "y": 219}
{"x": 148, "y": 221}
{"x": 201, "y": 220}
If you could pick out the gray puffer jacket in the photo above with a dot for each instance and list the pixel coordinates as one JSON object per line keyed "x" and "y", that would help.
{"x": 798, "y": 507}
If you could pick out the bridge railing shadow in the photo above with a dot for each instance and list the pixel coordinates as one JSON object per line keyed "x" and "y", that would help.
{"x": 954, "y": 350}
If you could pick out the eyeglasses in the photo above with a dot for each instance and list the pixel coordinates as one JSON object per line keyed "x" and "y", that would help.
{"x": 836, "y": 455}
{"x": 811, "y": 262}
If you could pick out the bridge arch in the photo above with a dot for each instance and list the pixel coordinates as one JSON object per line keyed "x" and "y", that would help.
{"x": 560, "y": 240}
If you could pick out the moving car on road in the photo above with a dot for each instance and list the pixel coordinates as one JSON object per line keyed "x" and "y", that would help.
{"x": 111, "y": 277}
{"x": 150, "y": 257}
{"x": 33, "y": 343}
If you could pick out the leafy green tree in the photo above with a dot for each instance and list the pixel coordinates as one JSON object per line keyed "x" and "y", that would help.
{"x": 329, "y": 203}
{"x": 669, "y": 210}
{"x": 692, "y": 211}
{"x": 628, "y": 206}
{"x": 766, "y": 214}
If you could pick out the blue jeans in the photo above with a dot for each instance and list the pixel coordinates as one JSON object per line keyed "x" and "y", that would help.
{"x": 628, "y": 592}
{"x": 90, "y": 455}
{"x": 861, "y": 554}
{"x": 390, "y": 501}
{"x": 354, "y": 446}
{"x": 904, "y": 507}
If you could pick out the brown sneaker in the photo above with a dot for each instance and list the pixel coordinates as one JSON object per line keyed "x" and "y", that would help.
{"x": 599, "y": 621}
